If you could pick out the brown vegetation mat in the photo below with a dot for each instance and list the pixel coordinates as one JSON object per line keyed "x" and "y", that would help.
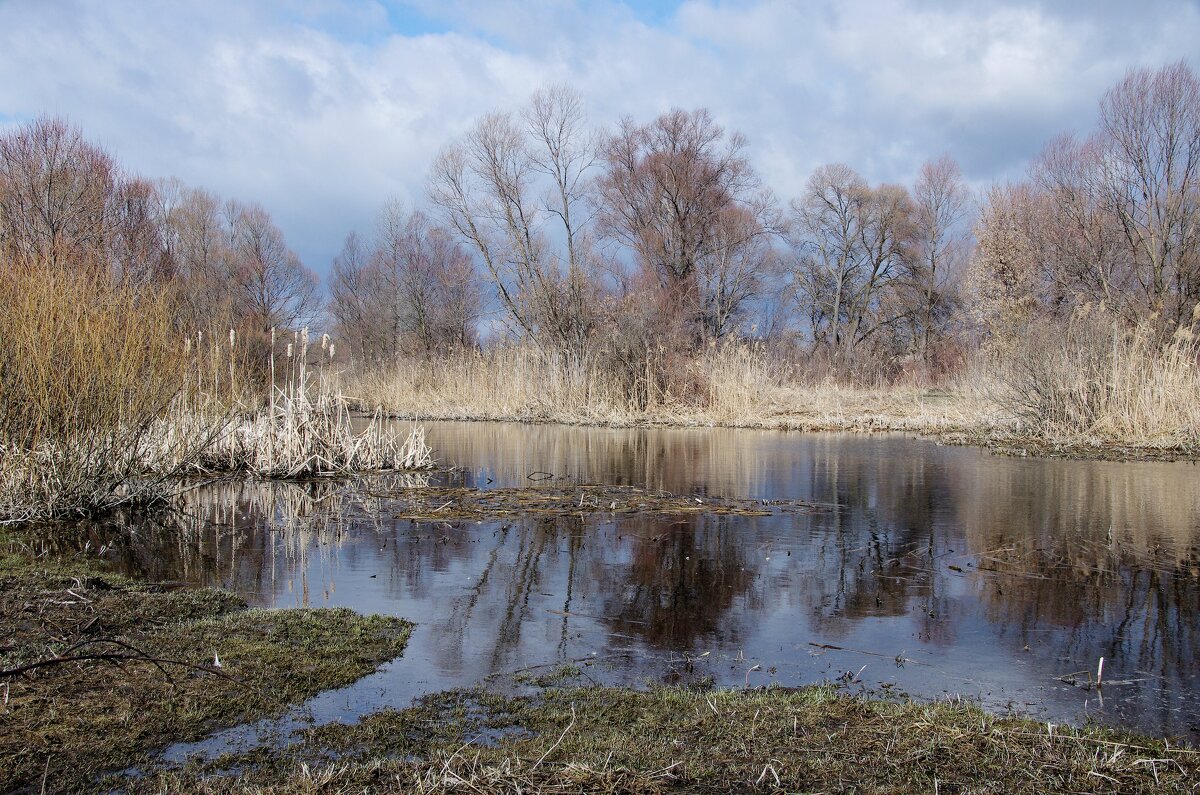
{"x": 433, "y": 502}
{"x": 596, "y": 740}
{"x": 98, "y": 671}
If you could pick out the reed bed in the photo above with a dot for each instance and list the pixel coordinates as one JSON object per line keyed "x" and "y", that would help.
{"x": 738, "y": 384}
{"x": 299, "y": 438}
{"x": 1091, "y": 387}
{"x": 1100, "y": 383}
{"x": 86, "y": 370}
{"x": 103, "y": 403}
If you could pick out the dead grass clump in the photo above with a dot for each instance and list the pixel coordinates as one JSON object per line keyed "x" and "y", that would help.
{"x": 297, "y": 437}
{"x": 1097, "y": 382}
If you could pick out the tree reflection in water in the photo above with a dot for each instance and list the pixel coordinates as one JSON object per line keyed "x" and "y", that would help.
{"x": 991, "y": 576}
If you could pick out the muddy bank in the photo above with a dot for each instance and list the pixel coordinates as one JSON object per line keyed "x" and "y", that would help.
{"x": 99, "y": 671}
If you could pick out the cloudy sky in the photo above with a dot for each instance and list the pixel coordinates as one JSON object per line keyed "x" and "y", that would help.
{"x": 321, "y": 109}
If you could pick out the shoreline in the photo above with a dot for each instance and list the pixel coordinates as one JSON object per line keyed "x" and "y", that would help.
{"x": 100, "y": 672}
{"x": 555, "y": 736}
{"x": 993, "y": 440}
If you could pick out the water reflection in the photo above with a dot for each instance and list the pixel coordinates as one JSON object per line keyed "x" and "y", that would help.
{"x": 942, "y": 570}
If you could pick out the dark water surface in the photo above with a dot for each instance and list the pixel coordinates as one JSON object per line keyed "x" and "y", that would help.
{"x": 929, "y": 570}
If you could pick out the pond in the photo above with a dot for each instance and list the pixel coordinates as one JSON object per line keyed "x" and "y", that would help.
{"x": 878, "y": 561}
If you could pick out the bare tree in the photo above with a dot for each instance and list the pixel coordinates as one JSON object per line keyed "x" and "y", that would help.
{"x": 829, "y": 219}
{"x": 352, "y": 301}
{"x": 1150, "y": 136}
{"x": 489, "y": 188}
{"x": 853, "y": 244}
{"x": 272, "y": 287}
{"x": 682, "y": 195}
{"x": 136, "y": 246}
{"x": 198, "y": 243}
{"x": 1120, "y": 219}
{"x": 940, "y": 243}
{"x": 55, "y": 195}
{"x": 414, "y": 289}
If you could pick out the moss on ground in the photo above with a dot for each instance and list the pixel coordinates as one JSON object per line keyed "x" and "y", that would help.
{"x": 144, "y": 671}
{"x": 670, "y": 739}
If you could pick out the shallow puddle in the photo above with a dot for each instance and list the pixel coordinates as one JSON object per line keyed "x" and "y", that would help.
{"x": 882, "y": 561}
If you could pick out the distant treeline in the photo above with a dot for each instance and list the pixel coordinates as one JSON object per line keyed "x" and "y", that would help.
{"x": 636, "y": 246}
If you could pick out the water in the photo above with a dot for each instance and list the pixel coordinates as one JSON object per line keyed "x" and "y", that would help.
{"x": 928, "y": 570}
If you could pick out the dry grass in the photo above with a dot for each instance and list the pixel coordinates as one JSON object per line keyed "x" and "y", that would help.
{"x": 140, "y": 669}
{"x": 103, "y": 403}
{"x": 1091, "y": 389}
{"x": 1097, "y": 383}
{"x": 302, "y": 427}
{"x": 737, "y": 385}
{"x": 573, "y": 740}
{"x": 86, "y": 370}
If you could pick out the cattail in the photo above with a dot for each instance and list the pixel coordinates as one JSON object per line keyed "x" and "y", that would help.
{"x": 232, "y": 338}
{"x": 272, "y": 338}
{"x": 324, "y": 343}
{"x": 332, "y": 345}
{"x": 289, "y": 350}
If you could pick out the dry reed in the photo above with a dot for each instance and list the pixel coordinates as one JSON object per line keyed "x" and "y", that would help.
{"x": 1098, "y": 382}
{"x": 86, "y": 370}
{"x": 103, "y": 404}
{"x": 737, "y": 384}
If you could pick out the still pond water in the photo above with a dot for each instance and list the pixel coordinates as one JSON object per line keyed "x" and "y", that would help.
{"x": 920, "y": 569}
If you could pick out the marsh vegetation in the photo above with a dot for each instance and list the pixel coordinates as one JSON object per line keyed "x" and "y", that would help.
{"x": 156, "y": 341}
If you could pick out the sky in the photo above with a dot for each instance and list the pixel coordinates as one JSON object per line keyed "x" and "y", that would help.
{"x": 323, "y": 109}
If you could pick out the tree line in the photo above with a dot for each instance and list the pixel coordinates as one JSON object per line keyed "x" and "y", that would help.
{"x": 641, "y": 244}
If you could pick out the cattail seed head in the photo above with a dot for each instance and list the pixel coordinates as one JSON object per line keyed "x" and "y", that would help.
{"x": 324, "y": 342}
{"x": 289, "y": 350}
{"x": 331, "y": 348}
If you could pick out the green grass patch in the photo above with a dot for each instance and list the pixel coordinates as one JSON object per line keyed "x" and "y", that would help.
{"x": 142, "y": 671}
{"x": 670, "y": 739}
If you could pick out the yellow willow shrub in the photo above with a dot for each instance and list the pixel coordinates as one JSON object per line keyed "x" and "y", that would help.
{"x": 86, "y": 367}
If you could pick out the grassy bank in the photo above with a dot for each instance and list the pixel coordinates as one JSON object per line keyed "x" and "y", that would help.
{"x": 574, "y": 740}
{"x": 1095, "y": 397}
{"x": 100, "y": 671}
{"x": 735, "y": 386}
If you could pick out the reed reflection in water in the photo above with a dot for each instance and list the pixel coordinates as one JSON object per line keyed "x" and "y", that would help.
{"x": 942, "y": 570}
